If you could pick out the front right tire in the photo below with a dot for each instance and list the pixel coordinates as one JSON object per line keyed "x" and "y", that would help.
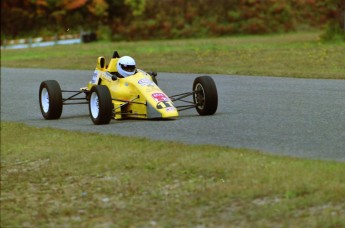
{"x": 100, "y": 105}
{"x": 205, "y": 95}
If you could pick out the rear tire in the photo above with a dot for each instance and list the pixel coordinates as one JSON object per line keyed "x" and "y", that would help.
{"x": 50, "y": 98}
{"x": 205, "y": 96}
{"x": 100, "y": 105}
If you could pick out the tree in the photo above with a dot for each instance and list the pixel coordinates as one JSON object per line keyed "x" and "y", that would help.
{"x": 137, "y": 6}
{"x": 335, "y": 29}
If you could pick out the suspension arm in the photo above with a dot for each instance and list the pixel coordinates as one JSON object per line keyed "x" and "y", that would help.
{"x": 181, "y": 96}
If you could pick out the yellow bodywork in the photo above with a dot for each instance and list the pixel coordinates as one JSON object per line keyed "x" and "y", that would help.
{"x": 136, "y": 96}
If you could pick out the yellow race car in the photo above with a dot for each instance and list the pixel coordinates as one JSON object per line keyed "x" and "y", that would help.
{"x": 111, "y": 96}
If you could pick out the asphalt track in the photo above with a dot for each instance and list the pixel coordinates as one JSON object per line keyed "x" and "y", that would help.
{"x": 284, "y": 116}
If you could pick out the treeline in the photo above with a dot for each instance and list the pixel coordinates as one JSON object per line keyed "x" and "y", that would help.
{"x": 165, "y": 19}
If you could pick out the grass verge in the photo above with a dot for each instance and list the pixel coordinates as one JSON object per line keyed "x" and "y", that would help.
{"x": 287, "y": 55}
{"x": 57, "y": 178}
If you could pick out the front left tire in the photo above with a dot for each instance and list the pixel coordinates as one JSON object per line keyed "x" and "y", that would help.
{"x": 50, "y": 98}
{"x": 100, "y": 105}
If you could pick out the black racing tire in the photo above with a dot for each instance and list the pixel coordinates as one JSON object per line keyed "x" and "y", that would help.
{"x": 50, "y": 98}
{"x": 205, "y": 95}
{"x": 100, "y": 105}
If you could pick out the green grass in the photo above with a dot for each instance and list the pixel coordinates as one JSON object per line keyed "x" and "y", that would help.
{"x": 286, "y": 55}
{"x": 57, "y": 178}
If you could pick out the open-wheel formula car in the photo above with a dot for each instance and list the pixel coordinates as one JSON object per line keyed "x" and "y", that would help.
{"x": 110, "y": 96}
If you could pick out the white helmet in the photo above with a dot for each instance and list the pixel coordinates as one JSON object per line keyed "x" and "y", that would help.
{"x": 126, "y": 66}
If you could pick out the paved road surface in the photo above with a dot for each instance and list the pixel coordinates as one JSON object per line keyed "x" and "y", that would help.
{"x": 296, "y": 117}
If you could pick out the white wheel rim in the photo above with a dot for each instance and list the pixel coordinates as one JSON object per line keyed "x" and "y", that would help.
{"x": 198, "y": 98}
{"x": 94, "y": 105}
{"x": 45, "y": 100}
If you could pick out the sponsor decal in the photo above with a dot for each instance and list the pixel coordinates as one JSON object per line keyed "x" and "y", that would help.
{"x": 145, "y": 82}
{"x": 108, "y": 76}
{"x": 170, "y": 109}
{"x": 94, "y": 77}
{"x": 160, "y": 97}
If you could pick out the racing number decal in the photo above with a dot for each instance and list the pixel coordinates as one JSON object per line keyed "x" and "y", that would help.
{"x": 164, "y": 104}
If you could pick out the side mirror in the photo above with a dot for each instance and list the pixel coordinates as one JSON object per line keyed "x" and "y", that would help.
{"x": 153, "y": 73}
{"x": 114, "y": 77}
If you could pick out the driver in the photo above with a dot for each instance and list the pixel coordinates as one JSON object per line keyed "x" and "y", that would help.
{"x": 126, "y": 66}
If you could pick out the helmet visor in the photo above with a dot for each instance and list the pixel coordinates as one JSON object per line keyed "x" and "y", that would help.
{"x": 128, "y": 68}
